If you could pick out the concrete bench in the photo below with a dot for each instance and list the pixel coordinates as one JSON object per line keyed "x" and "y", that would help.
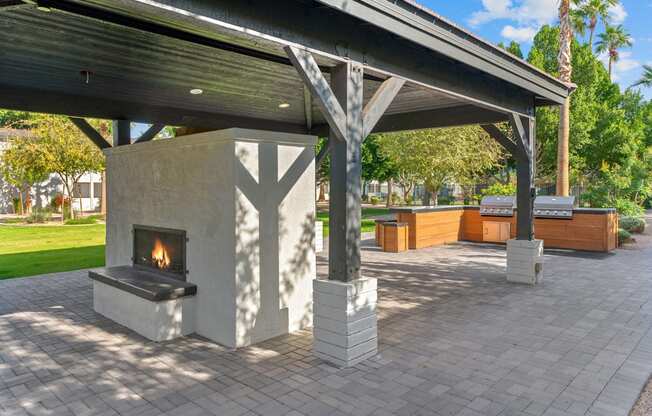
{"x": 157, "y": 307}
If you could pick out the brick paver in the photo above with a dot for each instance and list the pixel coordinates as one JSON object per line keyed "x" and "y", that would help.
{"x": 455, "y": 339}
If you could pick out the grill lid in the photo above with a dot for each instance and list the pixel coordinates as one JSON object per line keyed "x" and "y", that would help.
{"x": 554, "y": 202}
{"x": 498, "y": 205}
{"x": 554, "y": 206}
{"x": 499, "y": 201}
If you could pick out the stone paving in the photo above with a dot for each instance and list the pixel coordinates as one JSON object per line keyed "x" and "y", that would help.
{"x": 455, "y": 339}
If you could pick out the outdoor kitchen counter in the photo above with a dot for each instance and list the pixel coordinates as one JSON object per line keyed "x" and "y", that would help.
{"x": 590, "y": 229}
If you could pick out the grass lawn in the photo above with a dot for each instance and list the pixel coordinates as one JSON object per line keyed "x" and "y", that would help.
{"x": 30, "y": 250}
{"x": 368, "y": 219}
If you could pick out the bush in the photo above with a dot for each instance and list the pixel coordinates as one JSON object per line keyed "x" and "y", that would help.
{"x": 396, "y": 199}
{"x": 409, "y": 200}
{"x": 39, "y": 216}
{"x": 15, "y": 202}
{"x": 629, "y": 208}
{"x": 374, "y": 200}
{"x": 624, "y": 236}
{"x": 445, "y": 200}
{"x": 635, "y": 225}
{"x": 81, "y": 221}
{"x": 500, "y": 189}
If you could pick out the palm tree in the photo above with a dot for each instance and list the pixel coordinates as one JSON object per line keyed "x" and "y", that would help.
{"x": 646, "y": 78}
{"x": 613, "y": 38}
{"x": 594, "y": 11}
{"x": 565, "y": 75}
{"x": 578, "y": 21}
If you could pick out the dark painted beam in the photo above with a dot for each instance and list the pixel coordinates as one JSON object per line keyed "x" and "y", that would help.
{"x": 502, "y": 139}
{"x": 524, "y": 132}
{"x": 80, "y": 106}
{"x": 90, "y": 132}
{"x": 150, "y": 133}
{"x": 281, "y": 23}
{"x": 121, "y": 132}
{"x": 346, "y": 177}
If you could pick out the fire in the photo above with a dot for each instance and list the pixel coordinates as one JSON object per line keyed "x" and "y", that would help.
{"x": 160, "y": 257}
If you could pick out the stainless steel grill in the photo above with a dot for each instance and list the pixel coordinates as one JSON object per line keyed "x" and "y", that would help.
{"x": 554, "y": 207}
{"x": 498, "y": 206}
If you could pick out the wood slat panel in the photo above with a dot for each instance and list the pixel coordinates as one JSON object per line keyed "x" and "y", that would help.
{"x": 588, "y": 232}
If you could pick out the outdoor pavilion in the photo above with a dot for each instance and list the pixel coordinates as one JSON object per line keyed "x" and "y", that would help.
{"x": 346, "y": 68}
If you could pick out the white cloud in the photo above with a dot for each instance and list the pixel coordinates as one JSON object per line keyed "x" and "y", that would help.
{"x": 525, "y": 12}
{"x": 519, "y": 34}
{"x": 621, "y": 67}
{"x": 617, "y": 14}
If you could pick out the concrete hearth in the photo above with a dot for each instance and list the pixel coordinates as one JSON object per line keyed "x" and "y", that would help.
{"x": 245, "y": 199}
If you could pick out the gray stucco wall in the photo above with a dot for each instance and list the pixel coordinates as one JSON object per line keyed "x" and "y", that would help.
{"x": 248, "y": 217}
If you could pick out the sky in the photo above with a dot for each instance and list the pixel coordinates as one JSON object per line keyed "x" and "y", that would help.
{"x": 519, "y": 20}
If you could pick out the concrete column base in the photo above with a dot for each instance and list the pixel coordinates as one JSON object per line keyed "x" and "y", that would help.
{"x": 344, "y": 321}
{"x": 525, "y": 261}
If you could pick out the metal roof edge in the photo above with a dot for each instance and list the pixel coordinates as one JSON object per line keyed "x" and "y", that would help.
{"x": 447, "y": 29}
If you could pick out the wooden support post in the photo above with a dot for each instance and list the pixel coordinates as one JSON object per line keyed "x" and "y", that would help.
{"x": 346, "y": 177}
{"x": 525, "y": 190}
{"x": 523, "y": 150}
{"x": 121, "y": 132}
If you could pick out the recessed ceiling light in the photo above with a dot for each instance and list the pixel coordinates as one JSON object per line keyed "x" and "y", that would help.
{"x": 284, "y": 105}
{"x": 196, "y": 91}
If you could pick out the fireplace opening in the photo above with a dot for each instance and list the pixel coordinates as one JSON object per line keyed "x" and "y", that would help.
{"x": 160, "y": 249}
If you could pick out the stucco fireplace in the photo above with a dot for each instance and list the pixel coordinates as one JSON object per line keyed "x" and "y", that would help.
{"x": 228, "y": 217}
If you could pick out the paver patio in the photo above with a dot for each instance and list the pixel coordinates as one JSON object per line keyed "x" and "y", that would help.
{"x": 455, "y": 339}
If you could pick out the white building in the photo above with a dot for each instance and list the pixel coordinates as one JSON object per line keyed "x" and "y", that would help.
{"x": 87, "y": 191}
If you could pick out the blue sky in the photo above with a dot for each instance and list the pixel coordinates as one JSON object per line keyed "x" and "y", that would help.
{"x": 506, "y": 20}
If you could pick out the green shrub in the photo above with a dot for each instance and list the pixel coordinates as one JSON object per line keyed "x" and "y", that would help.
{"x": 409, "y": 200}
{"x": 15, "y": 202}
{"x": 81, "y": 221}
{"x": 445, "y": 200}
{"x": 374, "y": 200}
{"x": 98, "y": 217}
{"x": 500, "y": 189}
{"x": 396, "y": 199}
{"x": 39, "y": 216}
{"x": 635, "y": 225}
{"x": 628, "y": 208}
{"x": 624, "y": 236}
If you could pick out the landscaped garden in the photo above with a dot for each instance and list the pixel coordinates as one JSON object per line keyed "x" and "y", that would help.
{"x": 32, "y": 250}
{"x": 369, "y": 216}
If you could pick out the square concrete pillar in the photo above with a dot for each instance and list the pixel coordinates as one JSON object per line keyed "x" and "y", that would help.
{"x": 525, "y": 261}
{"x": 344, "y": 321}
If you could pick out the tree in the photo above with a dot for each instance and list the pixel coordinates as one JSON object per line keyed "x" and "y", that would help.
{"x": 439, "y": 156}
{"x": 68, "y": 153}
{"x": 514, "y": 48}
{"x": 613, "y": 39}
{"x": 611, "y": 130}
{"x": 646, "y": 78}
{"x": 565, "y": 75}
{"x": 323, "y": 170}
{"x": 376, "y": 165}
{"x": 594, "y": 11}
{"x": 23, "y": 166}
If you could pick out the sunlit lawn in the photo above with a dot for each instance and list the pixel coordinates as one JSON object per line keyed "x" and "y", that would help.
{"x": 368, "y": 219}
{"x": 31, "y": 250}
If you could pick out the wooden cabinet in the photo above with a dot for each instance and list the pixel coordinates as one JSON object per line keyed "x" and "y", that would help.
{"x": 495, "y": 231}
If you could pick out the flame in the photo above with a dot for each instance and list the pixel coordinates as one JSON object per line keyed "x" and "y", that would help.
{"x": 160, "y": 257}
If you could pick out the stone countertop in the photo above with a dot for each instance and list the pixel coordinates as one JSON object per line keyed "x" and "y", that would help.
{"x": 418, "y": 210}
